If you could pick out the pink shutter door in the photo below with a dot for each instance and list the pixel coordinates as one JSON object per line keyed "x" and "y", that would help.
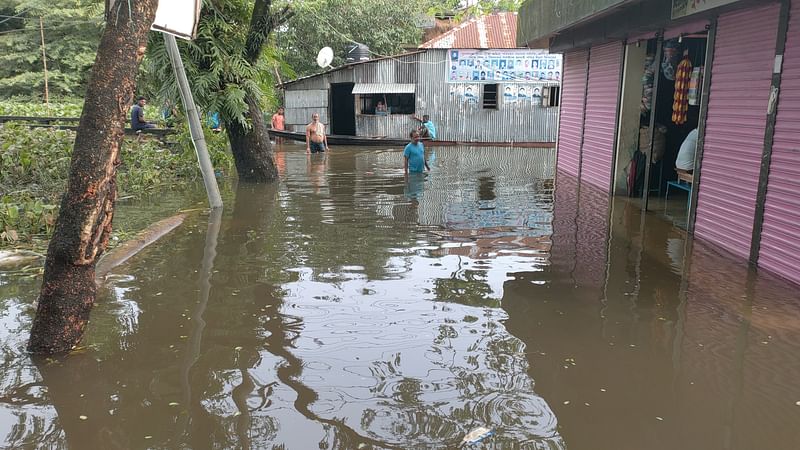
{"x": 780, "y": 236}
{"x": 600, "y": 125}
{"x": 741, "y": 76}
{"x": 570, "y": 126}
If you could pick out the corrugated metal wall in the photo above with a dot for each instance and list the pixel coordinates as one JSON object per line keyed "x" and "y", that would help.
{"x": 600, "y": 124}
{"x": 780, "y": 236}
{"x": 573, "y": 96}
{"x": 741, "y": 76}
{"x": 455, "y": 120}
{"x": 393, "y": 126}
{"x": 301, "y": 104}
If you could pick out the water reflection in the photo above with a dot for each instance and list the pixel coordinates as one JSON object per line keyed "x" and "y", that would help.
{"x": 335, "y": 310}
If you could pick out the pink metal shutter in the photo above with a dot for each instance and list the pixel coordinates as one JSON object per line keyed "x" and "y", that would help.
{"x": 780, "y": 236}
{"x": 741, "y": 76}
{"x": 600, "y": 125}
{"x": 570, "y": 126}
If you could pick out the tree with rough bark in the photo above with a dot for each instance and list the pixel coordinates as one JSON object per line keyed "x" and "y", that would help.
{"x": 226, "y": 69}
{"x": 84, "y": 222}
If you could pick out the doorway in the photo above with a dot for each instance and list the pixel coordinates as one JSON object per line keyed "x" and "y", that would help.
{"x": 343, "y": 109}
{"x": 663, "y": 178}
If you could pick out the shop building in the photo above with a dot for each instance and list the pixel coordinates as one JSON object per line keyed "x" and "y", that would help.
{"x": 473, "y": 81}
{"x": 642, "y": 79}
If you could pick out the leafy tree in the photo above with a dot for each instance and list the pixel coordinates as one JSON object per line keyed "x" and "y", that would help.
{"x": 385, "y": 26}
{"x": 71, "y": 32}
{"x": 230, "y": 67}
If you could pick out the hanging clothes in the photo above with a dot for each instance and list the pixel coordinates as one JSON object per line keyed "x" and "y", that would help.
{"x": 695, "y": 86}
{"x": 680, "y": 105}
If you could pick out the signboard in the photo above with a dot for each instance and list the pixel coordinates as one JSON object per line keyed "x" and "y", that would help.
{"x": 502, "y": 66}
{"x": 178, "y": 17}
{"x": 683, "y": 8}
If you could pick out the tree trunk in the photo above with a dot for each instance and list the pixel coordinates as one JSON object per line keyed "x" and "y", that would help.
{"x": 251, "y": 148}
{"x": 87, "y": 209}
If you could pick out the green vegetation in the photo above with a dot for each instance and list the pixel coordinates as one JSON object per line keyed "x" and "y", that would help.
{"x": 71, "y": 34}
{"x": 66, "y": 108}
{"x": 34, "y": 166}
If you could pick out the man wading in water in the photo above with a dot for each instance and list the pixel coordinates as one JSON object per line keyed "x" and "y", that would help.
{"x": 316, "y": 140}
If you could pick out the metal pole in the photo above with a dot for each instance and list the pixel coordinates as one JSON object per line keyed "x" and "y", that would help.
{"x": 44, "y": 62}
{"x": 196, "y": 130}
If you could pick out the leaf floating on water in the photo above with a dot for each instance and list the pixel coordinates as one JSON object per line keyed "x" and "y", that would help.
{"x": 82, "y": 417}
{"x": 602, "y": 389}
{"x": 660, "y": 418}
{"x": 797, "y": 403}
{"x": 238, "y": 348}
{"x": 566, "y": 402}
{"x": 174, "y": 403}
{"x": 148, "y": 437}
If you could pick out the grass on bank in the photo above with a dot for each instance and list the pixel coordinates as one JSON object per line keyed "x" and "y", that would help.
{"x": 34, "y": 167}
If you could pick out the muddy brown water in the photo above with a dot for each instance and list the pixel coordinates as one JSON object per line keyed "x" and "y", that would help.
{"x": 347, "y": 307}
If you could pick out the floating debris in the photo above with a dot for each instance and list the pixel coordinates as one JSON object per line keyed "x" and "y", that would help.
{"x": 477, "y": 435}
{"x": 82, "y": 417}
{"x": 174, "y": 403}
{"x": 566, "y": 402}
{"x": 660, "y": 418}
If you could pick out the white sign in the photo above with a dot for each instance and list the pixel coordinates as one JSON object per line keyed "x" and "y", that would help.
{"x": 178, "y": 17}
{"x": 502, "y": 66}
{"x": 683, "y": 8}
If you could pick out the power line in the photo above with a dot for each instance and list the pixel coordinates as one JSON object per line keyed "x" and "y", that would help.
{"x": 18, "y": 16}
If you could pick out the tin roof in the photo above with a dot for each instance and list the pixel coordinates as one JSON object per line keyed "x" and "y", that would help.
{"x": 497, "y": 30}
{"x": 344, "y": 66}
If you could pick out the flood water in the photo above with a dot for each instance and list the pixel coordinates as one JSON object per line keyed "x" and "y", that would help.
{"x": 349, "y": 308}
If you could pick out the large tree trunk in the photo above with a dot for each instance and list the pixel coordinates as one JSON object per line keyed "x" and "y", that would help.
{"x": 251, "y": 148}
{"x": 87, "y": 209}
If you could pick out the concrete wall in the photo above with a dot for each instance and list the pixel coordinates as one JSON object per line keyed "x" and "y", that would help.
{"x": 631, "y": 101}
{"x": 542, "y": 18}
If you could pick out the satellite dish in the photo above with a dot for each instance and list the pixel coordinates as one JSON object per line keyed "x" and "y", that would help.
{"x": 325, "y": 57}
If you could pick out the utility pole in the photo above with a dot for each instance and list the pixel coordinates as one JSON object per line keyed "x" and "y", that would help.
{"x": 196, "y": 130}
{"x": 44, "y": 62}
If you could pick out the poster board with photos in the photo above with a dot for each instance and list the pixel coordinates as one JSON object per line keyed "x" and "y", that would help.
{"x": 503, "y": 66}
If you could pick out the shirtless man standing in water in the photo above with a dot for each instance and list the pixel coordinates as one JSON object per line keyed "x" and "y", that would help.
{"x": 316, "y": 140}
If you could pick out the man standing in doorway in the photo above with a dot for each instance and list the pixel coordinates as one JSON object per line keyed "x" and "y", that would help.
{"x": 316, "y": 140}
{"x": 137, "y": 116}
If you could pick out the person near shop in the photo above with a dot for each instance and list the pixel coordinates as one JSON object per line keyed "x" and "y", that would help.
{"x": 685, "y": 160}
{"x": 414, "y": 155}
{"x": 428, "y": 130}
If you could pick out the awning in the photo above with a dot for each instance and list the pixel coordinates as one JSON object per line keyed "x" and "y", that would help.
{"x": 384, "y": 88}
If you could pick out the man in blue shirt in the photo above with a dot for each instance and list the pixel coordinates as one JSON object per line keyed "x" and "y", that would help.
{"x": 137, "y": 116}
{"x": 414, "y": 155}
{"x": 428, "y": 129}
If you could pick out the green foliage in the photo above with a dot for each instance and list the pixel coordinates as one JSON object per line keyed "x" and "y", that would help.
{"x": 34, "y": 167}
{"x": 71, "y": 32}
{"x": 387, "y": 27}
{"x": 66, "y": 108}
{"x": 383, "y": 25}
{"x": 218, "y": 72}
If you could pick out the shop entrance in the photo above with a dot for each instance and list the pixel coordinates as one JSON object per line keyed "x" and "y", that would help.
{"x": 666, "y": 118}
